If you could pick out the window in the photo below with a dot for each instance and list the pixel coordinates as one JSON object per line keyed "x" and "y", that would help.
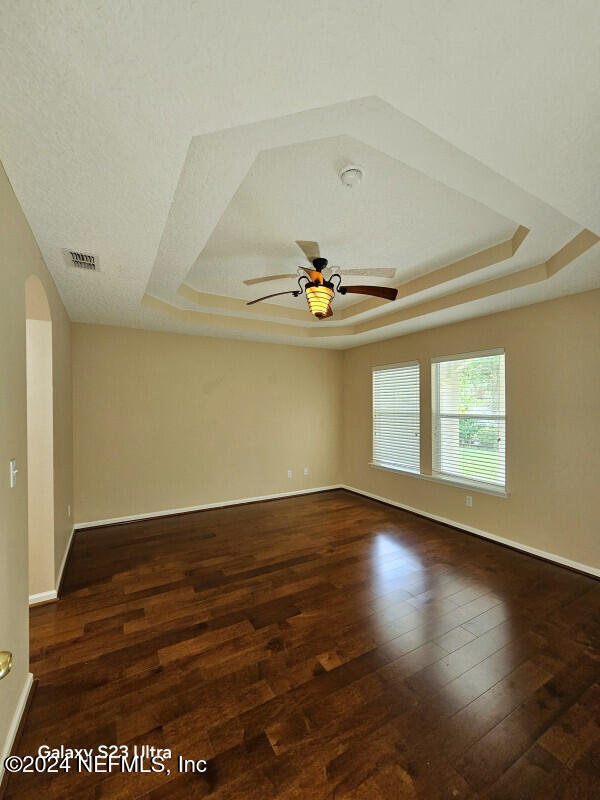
{"x": 469, "y": 417}
{"x": 396, "y": 418}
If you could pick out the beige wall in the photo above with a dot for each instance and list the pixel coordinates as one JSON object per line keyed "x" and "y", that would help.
{"x": 19, "y": 258}
{"x": 40, "y": 456}
{"x": 165, "y": 421}
{"x": 553, "y": 425}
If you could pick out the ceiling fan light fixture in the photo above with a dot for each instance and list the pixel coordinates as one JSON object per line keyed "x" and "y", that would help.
{"x": 319, "y": 297}
{"x": 319, "y": 288}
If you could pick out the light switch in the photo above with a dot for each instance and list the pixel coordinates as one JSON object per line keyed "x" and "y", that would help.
{"x": 13, "y": 473}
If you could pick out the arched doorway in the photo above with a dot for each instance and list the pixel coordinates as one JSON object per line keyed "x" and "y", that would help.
{"x": 40, "y": 441}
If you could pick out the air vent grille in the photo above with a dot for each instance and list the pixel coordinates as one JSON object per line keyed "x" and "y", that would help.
{"x": 82, "y": 260}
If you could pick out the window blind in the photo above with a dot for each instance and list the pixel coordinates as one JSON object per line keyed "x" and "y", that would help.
{"x": 396, "y": 417}
{"x": 469, "y": 417}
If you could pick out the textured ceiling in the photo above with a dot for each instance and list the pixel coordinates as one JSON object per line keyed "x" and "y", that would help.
{"x": 398, "y": 217}
{"x": 108, "y": 110}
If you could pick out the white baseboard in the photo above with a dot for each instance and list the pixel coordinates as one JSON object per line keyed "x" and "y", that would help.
{"x": 64, "y": 559}
{"x": 205, "y": 506}
{"x": 564, "y": 562}
{"x": 42, "y": 597}
{"x": 16, "y": 721}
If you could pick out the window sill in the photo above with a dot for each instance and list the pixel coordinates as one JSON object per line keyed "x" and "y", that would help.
{"x": 483, "y": 488}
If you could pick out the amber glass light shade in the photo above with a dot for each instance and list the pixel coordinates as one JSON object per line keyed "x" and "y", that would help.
{"x": 319, "y": 299}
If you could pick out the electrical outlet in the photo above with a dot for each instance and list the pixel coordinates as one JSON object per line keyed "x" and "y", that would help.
{"x": 469, "y": 501}
{"x": 306, "y": 470}
{"x": 289, "y": 473}
{"x": 69, "y": 511}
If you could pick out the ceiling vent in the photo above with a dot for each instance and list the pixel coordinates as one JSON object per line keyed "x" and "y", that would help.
{"x": 79, "y": 260}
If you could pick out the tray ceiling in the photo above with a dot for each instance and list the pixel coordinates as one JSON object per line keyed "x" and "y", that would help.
{"x": 397, "y": 218}
{"x": 188, "y": 146}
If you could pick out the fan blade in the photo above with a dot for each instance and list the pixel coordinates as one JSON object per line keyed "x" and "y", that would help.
{"x": 385, "y": 292}
{"x": 265, "y": 278}
{"x": 266, "y": 297}
{"x": 375, "y": 272}
{"x": 310, "y": 250}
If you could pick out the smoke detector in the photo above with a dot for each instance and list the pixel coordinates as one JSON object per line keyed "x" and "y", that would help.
{"x": 85, "y": 261}
{"x": 351, "y": 175}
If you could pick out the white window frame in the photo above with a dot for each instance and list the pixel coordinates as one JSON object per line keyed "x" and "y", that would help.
{"x": 383, "y": 464}
{"x": 452, "y": 478}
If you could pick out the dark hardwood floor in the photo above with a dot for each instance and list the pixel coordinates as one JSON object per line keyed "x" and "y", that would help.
{"x": 323, "y": 646}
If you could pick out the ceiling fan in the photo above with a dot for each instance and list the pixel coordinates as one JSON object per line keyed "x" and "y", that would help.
{"x": 319, "y": 288}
